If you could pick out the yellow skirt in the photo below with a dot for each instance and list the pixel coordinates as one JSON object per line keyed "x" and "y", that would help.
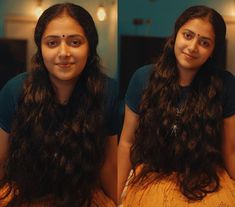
{"x": 99, "y": 199}
{"x": 165, "y": 193}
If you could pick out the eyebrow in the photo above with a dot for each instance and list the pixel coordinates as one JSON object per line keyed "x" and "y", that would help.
{"x": 67, "y": 36}
{"x": 203, "y": 37}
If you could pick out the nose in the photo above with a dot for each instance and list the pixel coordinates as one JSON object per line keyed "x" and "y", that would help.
{"x": 63, "y": 50}
{"x": 193, "y": 45}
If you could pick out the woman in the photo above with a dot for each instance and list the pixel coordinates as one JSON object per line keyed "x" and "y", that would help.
{"x": 58, "y": 119}
{"x": 179, "y": 128}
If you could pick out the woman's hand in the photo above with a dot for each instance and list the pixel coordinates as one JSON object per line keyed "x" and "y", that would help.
{"x": 127, "y": 138}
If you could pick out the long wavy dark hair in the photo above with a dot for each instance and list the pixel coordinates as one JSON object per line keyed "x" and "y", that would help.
{"x": 56, "y": 152}
{"x": 195, "y": 153}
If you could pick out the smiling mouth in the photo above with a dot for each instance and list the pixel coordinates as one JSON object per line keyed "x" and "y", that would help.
{"x": 64, "y": 65}
{"x": 189, "y": 56}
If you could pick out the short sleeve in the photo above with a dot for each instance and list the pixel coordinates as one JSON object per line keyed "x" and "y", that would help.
{"x": 9, "y": 96}
{"x": 136, "y": 87}
{"x": 111, "y": 107}
{"x": 229, "y": 96}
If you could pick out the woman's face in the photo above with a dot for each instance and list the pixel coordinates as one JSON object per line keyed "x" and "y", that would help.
{"x": 194, "y": 44}
{"x": 65, "y": 49}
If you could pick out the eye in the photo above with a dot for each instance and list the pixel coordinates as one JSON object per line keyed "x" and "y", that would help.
{"x": 52, "y": 43}
{"x": 74, "y": 43}
{"x": 204, "y": 43}
{"x": 187, "y": 35}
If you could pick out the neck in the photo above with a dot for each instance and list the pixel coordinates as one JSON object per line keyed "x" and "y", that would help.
{"x": 63, "y": 90}
{"x": 186, "y": 76}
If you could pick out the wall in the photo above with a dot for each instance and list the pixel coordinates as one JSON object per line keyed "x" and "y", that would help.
{"x": 162, "y": 15}
{"x": 107, "y": 29}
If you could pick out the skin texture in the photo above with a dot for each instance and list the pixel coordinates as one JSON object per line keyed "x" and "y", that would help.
{"x": 65, "y": 50}
{"x": 126, "y": 140}
{"x": 194, "y": 44}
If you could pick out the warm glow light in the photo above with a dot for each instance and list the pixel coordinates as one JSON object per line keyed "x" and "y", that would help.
{"x": 38, "y": 11}
{"x": 101, "y": 13}
{"x": 233, "y": 11}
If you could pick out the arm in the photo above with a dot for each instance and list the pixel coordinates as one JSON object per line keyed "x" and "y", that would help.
{"x": 229, "y": 145}
{"x": 131, "y": 121}
{"x": 3, "y": 150}
{"x": 109, "y": 169}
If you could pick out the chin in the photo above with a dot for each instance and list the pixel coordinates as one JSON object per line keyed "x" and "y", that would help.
{"x": 187, "y": 65}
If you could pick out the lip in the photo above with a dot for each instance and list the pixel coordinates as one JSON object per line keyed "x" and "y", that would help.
{"x": 189, "y": 56}
{"x": 64, "y": 65}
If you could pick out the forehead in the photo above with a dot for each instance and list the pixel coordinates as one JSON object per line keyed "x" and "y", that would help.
{"x": 200, "y": 26}
{"x": 63, "y": 25}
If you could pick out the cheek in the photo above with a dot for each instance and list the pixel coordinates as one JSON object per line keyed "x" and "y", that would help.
{"x": 44, "y": 54}
{"x": 177, "y": 45}
{"x": 180, "y": 43}
{"x": 82, "y": 54}
{"x": 47, "y": 56}
{"x": 177, "y": 48}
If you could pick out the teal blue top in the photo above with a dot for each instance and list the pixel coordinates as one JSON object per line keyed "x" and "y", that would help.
{"x": 140, "y": 80}
{"x": 12, "y": 91}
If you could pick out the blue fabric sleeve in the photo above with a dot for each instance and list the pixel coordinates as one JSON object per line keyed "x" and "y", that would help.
{"x": 9, "y": 96}
{"x": 136, "y": 87}
{"x": 6, "y": 107}
{"x": 229, "y": 96}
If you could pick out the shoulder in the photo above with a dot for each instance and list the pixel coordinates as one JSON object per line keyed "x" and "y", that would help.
{"x": 16, "y": 82}
{"x": 228, "y": 80}
{"x": 9, "y": 97}
{"x": 111, "y": 104}
{"x": 227, "y": 76}
{"x": 110, "y": 89}
{"x": 14, "y": 86}
{"x": 137, "y": 84}
{"x": 142, "y": 74}
{"x": 20, "y": 77}
{"x": 110, "y": 92}
{"x": 228, "y": 93}
{"x": 140, "y": 79}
